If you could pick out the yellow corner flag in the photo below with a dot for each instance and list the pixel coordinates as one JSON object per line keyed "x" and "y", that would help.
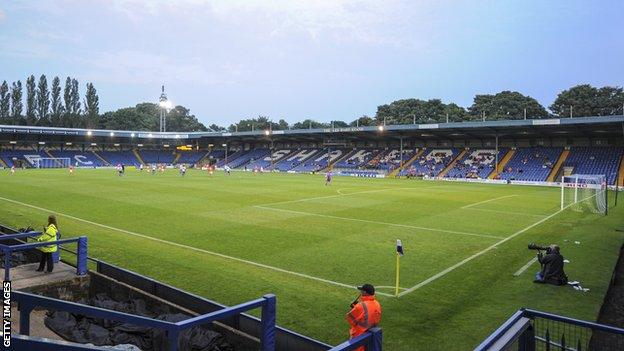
{"x": 399, "y": 253}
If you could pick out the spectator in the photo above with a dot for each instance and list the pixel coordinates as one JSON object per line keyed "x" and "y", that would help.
{"x": 365, "y": 312}
{"x": 49, "y": 235}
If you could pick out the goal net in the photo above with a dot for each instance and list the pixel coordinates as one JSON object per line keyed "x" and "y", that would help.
{"x": 52, "y": 162}
{"x": 584, "y": 192}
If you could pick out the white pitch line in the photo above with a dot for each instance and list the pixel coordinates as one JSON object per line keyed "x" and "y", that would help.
{"x": 504, "y": 212}
{"x": 327, "y": 197}
{"x": 525, "y": 267}
{"x": 466, "y": 260}
{"x": 378, "y": 222}
{"x": 486, "y": 201}
{"x": 190, "y": 247}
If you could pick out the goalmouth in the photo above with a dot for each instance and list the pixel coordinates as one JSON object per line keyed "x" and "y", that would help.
{"x": 584, "y": 192}
{"x": 51, "y": 162}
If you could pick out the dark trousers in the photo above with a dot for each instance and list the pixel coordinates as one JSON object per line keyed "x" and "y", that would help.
{"x": 46, "y": 257}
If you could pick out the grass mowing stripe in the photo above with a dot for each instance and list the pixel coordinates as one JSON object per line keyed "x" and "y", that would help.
{"x": 486, "y": 201}
{"x": 378, "y": 222}
{"x": 189, "y": 247}
{"x": 503, "y": 212}
{"x": 466, "y": 260}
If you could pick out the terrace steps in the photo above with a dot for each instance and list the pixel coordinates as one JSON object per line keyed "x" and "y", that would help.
{"x": 176, "y": 158}
{"x": 502, "y": 163}
{"x": 101, "y": 158}
{"x": 330, "y": 165}
{"x": 201, "y": 160}
{"x": 453, "y": 163}
{"x": 555, "y": 170}
{"x": 138, "y": 156}
{"x": 407, "y": 163}
{"x": 620, "y": 181}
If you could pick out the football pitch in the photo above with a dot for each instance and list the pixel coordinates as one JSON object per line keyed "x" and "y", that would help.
{"x": 233, "y": 238}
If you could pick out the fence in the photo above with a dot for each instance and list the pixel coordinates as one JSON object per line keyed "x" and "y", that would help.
{"x": 27, "y": 302}
{"x": 7, "y": 250}
{"x": 371, "y": 339}
{"x": 530, "y": 330}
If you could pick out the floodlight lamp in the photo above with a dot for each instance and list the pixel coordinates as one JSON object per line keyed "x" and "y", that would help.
{"x": 166, "y": 104}
{"x": 150, "y": 135}
{"x": 380, "y": 128}
{"x": 89, "y": 132}
{"x": 112, "y": 133}
{"x": 267, "y": 132}
{"x": 224, "y": 145}
{"x": 132, "y": 135}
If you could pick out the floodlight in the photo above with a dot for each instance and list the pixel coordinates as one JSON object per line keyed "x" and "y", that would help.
{"x": 68, "y": 143}
{"x": 42, "y": 143}
{"x": 13, "y": 142}
{"x": 89, "y": 132}
{"x": 150, "y": 135}
{"x": 267, "y": 132}
{"x": 224, "y": 145}
{"x": 139, "y": 145}
{"x": 177, "y": 136}
{"x": 166, "y": 104}
{"x": 166, "y": 145}
{"x": 115, "y": 144}
{"x": 380, "y": 128}
{"x": 132, "y": 135}
{"x": 112, "y": 133}
{"x": 93, "y": 144}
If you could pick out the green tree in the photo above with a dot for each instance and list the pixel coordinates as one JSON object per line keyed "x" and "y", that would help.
{"x": 5, "y": 101}
{"x": 16, "y": 103}
{"x": 408, "y": 111}
{"x": 92, "y": 106}
{"x": 339, "y": 124}
{"x": 43, "y": 101}
{"x": 180, "y": 119}
{"x": 56, "y": 103}
{"x": 282, "y": 125}
{"x": 506, "y": 105}
{"x": 216, "y": 128}
{"x": 586, "y": 100}
{"x": 76, "y": 111}
{"x": 363, "y": 121}
{"x": 309, "y": 123}
{"x": 66, "y": 120}
{"x": 31, "y": 101}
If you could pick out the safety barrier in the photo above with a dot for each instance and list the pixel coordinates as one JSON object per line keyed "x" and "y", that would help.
{"x": 371, "y": 339}
{"x": 27, "y": 302}
{"x": 530, "y": 330}
{"x": 7, "y": 250}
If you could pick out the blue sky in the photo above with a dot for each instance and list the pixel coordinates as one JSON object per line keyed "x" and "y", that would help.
{"x": 326, "y": 59}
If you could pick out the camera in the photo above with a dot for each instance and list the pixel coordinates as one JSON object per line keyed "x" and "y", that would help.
{"x": 534, "y": 246}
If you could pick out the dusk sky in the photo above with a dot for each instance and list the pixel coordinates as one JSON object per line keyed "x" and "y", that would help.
{"x": 325, "y": 60}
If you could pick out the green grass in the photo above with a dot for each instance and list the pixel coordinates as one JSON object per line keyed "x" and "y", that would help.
{"x": 345, "y": 233}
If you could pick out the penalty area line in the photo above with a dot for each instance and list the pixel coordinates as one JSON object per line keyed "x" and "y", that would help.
{"x": 486, "y": 201}
{"x": 468, "y": 259}
{"x": 212, "y": 253}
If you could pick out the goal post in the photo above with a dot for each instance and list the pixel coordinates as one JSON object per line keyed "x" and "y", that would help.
{"x": 584, "y": 193}
{"x": 52, "y": 162}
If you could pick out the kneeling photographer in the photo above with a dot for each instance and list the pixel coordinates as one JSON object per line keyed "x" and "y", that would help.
{"x": 552, "y": 265}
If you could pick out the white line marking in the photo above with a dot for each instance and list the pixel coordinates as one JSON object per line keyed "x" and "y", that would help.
{"x": 191, "y": 247}
{"x": 504, "y": 212}
{"x": 466, "y": 260}
{"x": 378, "y": 222}
{"x": 525, "y": 267}
{"x": 486, "y": 201}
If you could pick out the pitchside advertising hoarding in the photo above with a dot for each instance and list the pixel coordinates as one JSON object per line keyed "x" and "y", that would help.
{"x": 6, "y": 313}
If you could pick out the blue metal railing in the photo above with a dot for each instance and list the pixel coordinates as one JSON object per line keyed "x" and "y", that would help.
{"x": 27, "y": 302}
{"x": 371, "y": 339}
{"x": 7, "y": 250}
{"x": 523, "y": 328}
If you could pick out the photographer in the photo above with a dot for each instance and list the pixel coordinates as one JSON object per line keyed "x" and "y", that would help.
{"x": 552, "y": 267}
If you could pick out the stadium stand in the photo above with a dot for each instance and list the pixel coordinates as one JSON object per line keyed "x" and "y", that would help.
{"x": 21, "y": 156}
{"x": 248, "y": 157}
{"x": 356, "y": 158}
{"x": 531, "y": 164}
{"x": 390, "y": 159}
{"x": 295, "y": 159}
{"x": 79, "y": 158}
{"x": 477, "y": 163}
{"x": 119, "y": 157}
{"x": 191, "y": 157}
{"x": 431, "y": 163}
{"x": 321, "y": 160}
{"x": 157, "y": 156}
{"x": 269, "y": 161}
{"x": 588, "y": 160}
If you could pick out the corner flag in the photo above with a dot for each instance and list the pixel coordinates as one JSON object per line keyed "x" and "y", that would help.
{"x": 399, "y": 248}
{"x": 399, "y": 251}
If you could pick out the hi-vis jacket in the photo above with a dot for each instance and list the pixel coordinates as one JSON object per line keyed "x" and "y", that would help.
{"x": 364, "y": 315}
{"x": 48, "y": 235}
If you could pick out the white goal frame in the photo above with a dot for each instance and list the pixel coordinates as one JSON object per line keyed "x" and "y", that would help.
{"x": 51, "y": 162}
{"x": 584, "y": 192}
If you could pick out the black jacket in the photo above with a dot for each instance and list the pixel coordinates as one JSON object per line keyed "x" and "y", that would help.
{"x": 552, "y": 268}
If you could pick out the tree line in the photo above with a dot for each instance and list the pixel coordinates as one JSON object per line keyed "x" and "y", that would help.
{"x": 61, "y": 107}
{"x": 578, "y": 101}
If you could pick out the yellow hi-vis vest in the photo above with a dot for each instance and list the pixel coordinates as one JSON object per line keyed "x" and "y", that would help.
{"x": 48, "y": 235}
